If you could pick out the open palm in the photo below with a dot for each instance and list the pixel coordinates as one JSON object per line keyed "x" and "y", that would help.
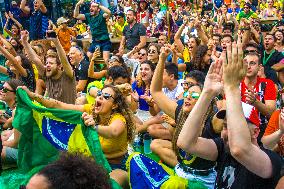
{"x": 213, "y": 81}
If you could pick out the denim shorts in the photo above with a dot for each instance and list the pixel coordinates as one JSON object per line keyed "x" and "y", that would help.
{"x": 208, "y": 181}
{"x": 104, "y": 45}
{"x": 121, "y": 165}
{"x": 11, "y": 155}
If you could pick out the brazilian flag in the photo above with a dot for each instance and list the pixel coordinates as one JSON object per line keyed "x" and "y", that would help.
{"x": 45, "y": 133}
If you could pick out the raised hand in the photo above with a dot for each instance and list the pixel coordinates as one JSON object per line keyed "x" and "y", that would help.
{"x": 7, "y": 16}
{"x": 24, "y": 35}
{"x": 10, "y": 14}
{"x": 213, "y": 81}
{"x": 234, "y": 69}
{"x": 80, "y": 2}
{"x": 165, "y": 51}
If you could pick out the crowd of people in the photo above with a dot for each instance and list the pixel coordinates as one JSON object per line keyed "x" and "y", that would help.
{"x": 201, "y": 79}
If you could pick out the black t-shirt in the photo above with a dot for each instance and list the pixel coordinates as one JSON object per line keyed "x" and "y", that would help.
{"x": 83, "y": 73}
{"x": 133, "y": 35}
{"x": 197, "y": 163}
{"x": 233, "y": 175}
{"x": 275, "y": 58}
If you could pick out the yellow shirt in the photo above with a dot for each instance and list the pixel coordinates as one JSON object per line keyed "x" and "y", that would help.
{"x": 112, "y": 146}
{"x": 120, "y": 28}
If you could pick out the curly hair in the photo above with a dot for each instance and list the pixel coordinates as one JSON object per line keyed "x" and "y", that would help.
{"x": 180, "y": 120}
{"x": 123, "y": 109}
{"x": 197, "y": 60}
{"x": 75, "y": 171}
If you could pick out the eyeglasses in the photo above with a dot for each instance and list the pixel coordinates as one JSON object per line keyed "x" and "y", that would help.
{"x": 5, "y": 90}
{"x": 186, "y": 84}
{"x": 106, "y": 96}
{"x": 142, "y": 54}
{"x": 151, "y": 51}
{"x": 246, "y": 7}
{"x": 193, "y": 95}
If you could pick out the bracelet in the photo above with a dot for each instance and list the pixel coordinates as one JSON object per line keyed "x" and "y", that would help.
{"x": 96, "y": 127}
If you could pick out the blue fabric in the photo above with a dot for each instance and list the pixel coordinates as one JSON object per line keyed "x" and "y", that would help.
{"x": 143, "y": 105}
{"x": 57, "y": 133}
{"x": 146, "y": 173}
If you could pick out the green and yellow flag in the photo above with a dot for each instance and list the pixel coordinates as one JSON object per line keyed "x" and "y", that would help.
{"x": 46, "y": 132}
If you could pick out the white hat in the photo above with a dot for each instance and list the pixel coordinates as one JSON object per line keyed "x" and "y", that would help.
{"x": 61, "y": 20}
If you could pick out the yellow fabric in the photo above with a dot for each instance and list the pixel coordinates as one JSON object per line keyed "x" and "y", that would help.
{"x": 81, "y": 28}
{"x": 35, "y": 71}
{"x": 80, "y": 139}
{"x": 186, "y": 55}
{"x": 174, "y": 182}
{"x": 119, "y": 27}
{"x": 112, "y": 146}
{"x": 97, "y": 84}
{"x": 88, "y": 108}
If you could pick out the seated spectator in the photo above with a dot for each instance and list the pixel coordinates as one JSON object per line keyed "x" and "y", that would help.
{"x": 37, "y": 12}
{"x": 10, "y": 138}
{"x": 238, "y": 163}
{"x": 110, "y": 116}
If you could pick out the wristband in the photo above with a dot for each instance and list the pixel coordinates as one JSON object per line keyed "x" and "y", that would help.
{"x": 96, "y": 127}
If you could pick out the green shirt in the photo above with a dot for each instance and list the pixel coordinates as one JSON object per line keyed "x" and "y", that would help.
{"x": 3, "y": 77}
{"x": 98, "y": 26}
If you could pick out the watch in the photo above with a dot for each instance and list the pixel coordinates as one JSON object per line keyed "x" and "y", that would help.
{"x": 96, "y": 127}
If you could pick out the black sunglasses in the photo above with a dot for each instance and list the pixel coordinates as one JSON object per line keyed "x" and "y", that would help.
{"x": 106, "y": 96}
{"x": 5, "y": 90}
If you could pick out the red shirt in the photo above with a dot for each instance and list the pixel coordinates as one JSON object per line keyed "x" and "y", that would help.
{"x": 269, "y": 94}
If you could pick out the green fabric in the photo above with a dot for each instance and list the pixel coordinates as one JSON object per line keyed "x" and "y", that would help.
{"x": 34, "y": 150}
{"x": 3, "y": 77}
{"x": 242, "y": 14}
{"x": 98, "y": 26}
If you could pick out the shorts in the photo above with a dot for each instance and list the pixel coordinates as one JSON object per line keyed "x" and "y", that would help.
{"x": 11, "y": 155}
{"x": 104, "y": 45}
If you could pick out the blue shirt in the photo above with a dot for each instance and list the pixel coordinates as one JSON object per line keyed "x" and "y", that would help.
{"x": 143, "y": 105}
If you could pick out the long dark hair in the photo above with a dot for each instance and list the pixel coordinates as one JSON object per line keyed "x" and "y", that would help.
{"x": 123, "y": 109}
{"x": 180, "y": 120}
{"x": 197, "y": 60}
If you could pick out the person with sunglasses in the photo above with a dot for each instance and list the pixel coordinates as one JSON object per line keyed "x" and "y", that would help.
{"x": 11, "y": 137}
{"x": 188, "y": 169}
{"x": 109, "y": 115}
{"x": 153, "y": 52}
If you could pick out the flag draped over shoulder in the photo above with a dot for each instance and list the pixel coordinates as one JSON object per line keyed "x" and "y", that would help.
{"x": 46, "y": 132}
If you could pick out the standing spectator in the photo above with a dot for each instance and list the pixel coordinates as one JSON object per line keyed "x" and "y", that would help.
{"x": 270, "y": 57}
{"x": 134, "y": 34}
{"x": 96, "y": 18}
{"x": 38, "y": 18}
{"x": 64, "y": 33}
{"x": 119, "y": 24}
{"x": 246, "y": 13}
{"x": 143, "y": 14}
